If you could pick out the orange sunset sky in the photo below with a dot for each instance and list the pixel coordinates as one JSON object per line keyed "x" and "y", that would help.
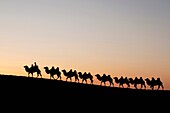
{"x": 117, "y": 37}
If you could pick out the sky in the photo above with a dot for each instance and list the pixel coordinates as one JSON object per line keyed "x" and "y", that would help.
{"x": 129, "y": 38}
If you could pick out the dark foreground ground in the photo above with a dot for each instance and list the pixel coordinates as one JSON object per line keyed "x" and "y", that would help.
{"x": 31, "y": 90}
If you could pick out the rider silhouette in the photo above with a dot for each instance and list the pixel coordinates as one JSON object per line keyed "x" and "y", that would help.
{"x": 34, "y": 66}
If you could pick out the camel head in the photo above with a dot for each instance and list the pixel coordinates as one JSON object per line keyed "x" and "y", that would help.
{"x": 26, "y": 68}
{"x": 46, "y": 67}
{"x": 148, "y": 81}
{"x": 98, "y": 76}
{"x": 131, "y": 80}
{"x": 65, "y": 72}
{"x": 116, "y": 79}
{"x": 80, "y": 74}
{"x": 47, "y": 70}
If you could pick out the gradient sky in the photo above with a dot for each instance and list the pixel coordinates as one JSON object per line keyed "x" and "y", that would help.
{"x": 117, "y": 37}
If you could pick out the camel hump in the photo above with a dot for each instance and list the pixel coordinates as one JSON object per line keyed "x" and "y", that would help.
{"x": 104, "y": 75}
{"x": 70, "y": 71}
{"x": 57, "y": 69}
{"x": 75, "y": 71}
{"x": 158, "y": 79}
{"x": 84, "y": 73}
{"x": 52, "y": 67}
{"x": 79, "y": 73}
{"x": 153, "y": 79}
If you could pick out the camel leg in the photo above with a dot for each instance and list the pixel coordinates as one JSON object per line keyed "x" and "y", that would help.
{"x": 100, "y": 83}
{"x": 162, "y": 87}
{"x": 128, "y": 85}
{"x": 91, "y": 81}
{"x": 53, "y": 77}
{"x": 144, "y": 86}
{"x": 76, "y": 79}
{"x": 158, "y": 87}
{"x": 135, "y": 85}
{"x": 152, "y": 87}
{"x": 111, "y": 83}
{"x": 119, "y": 85}
{"x": 141, "y": 86}
{"x": 38, "y": 74}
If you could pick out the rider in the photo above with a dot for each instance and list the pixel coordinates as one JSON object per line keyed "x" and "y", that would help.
{"x": 35, "y": 66}
{"x": 32, "y": 66}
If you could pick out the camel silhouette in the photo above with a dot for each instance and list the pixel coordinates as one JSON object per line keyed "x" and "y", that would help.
{"x": 70, "y": 74}
{"x": 122, "y": 81}
{"x": 50, "y": 71}
{"x": 53, "y": 72}
{"x": 104, "y": 79}
{"x": 85, "y": 76}
{"x": 32, "y": 69}
{"x": 58, "y": 73}
{"x": 154, "y": 82}
{"x": 137, "y": 81}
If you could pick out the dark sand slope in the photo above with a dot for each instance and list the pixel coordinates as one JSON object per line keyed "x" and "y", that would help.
{"x": 23, "y": 87}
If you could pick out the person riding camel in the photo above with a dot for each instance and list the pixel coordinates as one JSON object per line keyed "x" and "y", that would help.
{"x": 35, "y": 66}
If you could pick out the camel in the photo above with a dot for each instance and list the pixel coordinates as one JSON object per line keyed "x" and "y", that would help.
{"x": 104, "y": 79}
{"x": 58, "y": 73}
{"x": 85, "y": 76}
{"x": 122, "y": 81}
{"x": 154, "y": 82}
{"x": 32, "y": 70}
{"x": 137, "y": 81}
{"x": 51, "y": 71}
{"x": 71, "y": 74}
